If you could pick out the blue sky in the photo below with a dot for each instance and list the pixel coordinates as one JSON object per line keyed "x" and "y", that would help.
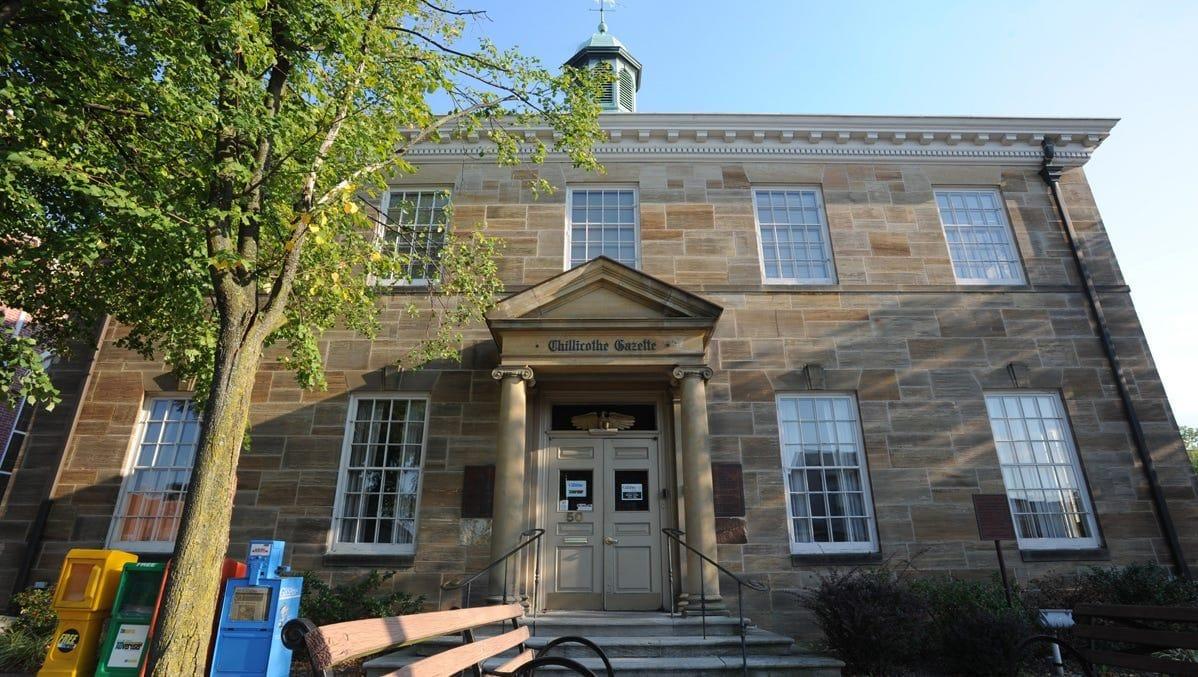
{"x": 1134, "y": 60}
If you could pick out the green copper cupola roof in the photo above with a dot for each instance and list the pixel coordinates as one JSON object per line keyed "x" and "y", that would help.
{"x": 604, "y": 49}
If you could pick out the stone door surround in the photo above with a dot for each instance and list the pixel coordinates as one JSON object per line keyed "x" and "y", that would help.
{"x": 605, "y": 318}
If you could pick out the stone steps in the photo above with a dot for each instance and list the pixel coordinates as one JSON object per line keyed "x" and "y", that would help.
{"x": 758, "y": 666}
{"x": 607, "y": 624}
{"x": 653, "y": 644}
{"x": 758, "y": 642}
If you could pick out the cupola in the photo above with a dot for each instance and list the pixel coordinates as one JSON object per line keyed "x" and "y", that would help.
{"x": 603, "y": 50}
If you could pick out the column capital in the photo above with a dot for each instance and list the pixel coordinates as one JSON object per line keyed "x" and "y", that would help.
{"x": 524, "y": 373}
{"x": 701, "y": 370}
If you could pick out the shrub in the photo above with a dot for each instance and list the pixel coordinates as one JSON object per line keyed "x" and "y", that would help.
{"x": 24, "y": 644}
{"x": 1148, "y": 584}
{"x": 323, "y": 604}
{"x": 972, "y": 628}
{"x": 872, "y": 620}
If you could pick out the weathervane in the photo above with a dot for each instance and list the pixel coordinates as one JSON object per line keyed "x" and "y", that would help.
{"x": 603, "y": 5}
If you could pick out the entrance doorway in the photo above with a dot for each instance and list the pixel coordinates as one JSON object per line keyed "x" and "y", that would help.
{"x": 603, "y": 523}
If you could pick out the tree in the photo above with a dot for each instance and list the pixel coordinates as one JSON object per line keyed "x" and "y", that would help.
{"x": 195, "y": 170}
{"x": 1189, "y": 435}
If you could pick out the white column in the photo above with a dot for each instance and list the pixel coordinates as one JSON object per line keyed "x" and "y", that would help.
{"x": 702, "y": 579}
{"x": 507, "y": 515}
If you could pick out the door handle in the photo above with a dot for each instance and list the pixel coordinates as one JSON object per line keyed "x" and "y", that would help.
{"x": 608, "y": 540}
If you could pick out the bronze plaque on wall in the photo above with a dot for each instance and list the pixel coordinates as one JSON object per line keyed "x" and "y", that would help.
{"x": 993, "y": 513}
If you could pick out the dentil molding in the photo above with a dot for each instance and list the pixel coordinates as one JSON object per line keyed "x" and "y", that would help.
{"x": 981, "y": 140}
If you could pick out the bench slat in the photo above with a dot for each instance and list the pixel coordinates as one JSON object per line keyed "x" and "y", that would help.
{"x": 1152, "y": 637}
{"x": 459, "y": 658}
{"x": 332, "y": 644}
{"x": 516, "y": 662}
{"x": 1142, "y": 663}
{"x": 1179, "y": 614}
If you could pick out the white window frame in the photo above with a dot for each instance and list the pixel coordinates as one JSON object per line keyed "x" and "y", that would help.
{"x": 816, "y": 548}
{"x": 636, "y": 217}
{"x": 826, "y": 230}
{"x": 1088, "y": 543}
{"x": 135, "y": 441}
{"x": 334, "y": 545}
{"x": 1020, "y": 278}
{"x": 19, "y": 410}
{"x": 381, "y": 230}
{"x": 13, "y": 433}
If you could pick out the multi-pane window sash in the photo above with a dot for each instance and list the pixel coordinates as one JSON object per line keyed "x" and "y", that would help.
{"x": 828, "y": 496}
{"x": 379, "y": 483}
{"x": 16, "y": 437}
{"x": 604, "y": 222}
{"x": 979, "y": 239}
{"x": 1049, "y": 502}
{"x": 793, "y": 234}
{"x": 416, "y": 225}
{"x": 159, "y": 474}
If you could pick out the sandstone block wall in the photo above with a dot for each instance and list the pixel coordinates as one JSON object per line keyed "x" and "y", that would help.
{"x": 918, "y": 351}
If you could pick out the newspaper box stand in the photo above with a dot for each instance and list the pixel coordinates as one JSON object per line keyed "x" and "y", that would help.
{"x": 249, "y": 639}
{"x": 86, "y": 588}
{"x": 125, "y": 643}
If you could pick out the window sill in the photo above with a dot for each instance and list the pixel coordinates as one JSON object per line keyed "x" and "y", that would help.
{"x": 834, "y": 558}
{"x": 1066, "y": 555}
{"x": 368, "y": 560}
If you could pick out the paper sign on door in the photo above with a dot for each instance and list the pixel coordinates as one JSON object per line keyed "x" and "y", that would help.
{"x": 631, "y": 492}
{"x": 576, "y": 488}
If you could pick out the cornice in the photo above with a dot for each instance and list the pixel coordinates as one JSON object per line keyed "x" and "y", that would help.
{"x": 766, "y": 137}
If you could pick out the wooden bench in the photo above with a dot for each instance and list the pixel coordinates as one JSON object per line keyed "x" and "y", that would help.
{"x": 328, "y": 645}
{"x": 1125, "y": 636}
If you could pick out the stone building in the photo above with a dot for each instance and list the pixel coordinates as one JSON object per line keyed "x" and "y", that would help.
{"x": 805, "y": 341}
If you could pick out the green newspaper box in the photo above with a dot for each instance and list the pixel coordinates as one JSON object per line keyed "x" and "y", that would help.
{"x": 125, "y": 642}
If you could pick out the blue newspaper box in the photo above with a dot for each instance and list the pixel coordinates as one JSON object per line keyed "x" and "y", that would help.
{"x": 248, "y": 638}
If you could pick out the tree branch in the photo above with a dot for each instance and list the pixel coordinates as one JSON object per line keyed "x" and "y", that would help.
{"x": 456, "y": 12}
{"x": 419, "y": 138}
{"x": 449, "y": 50}
{"x": 276, "y": 302}
{"x": 247, "y": 243}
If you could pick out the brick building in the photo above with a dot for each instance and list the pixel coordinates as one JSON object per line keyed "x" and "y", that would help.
{"x": 806, "y": 341}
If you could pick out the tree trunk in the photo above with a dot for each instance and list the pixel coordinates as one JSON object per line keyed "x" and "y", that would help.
{"x": 180, "y": 644}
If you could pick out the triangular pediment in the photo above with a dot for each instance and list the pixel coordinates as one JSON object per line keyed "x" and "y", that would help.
{"x": 603, "y": 289}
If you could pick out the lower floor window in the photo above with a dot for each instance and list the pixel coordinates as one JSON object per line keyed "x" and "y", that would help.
{"x": 1040, "y": 468}
{"x": 379, "y": 483}
{"x": 827, "y": 488}
{"x": 158, "y": 477}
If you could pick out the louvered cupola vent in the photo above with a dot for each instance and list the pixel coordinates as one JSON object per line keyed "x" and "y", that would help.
{"x": 604, "y": 51}
{"x": 627, "y": 91}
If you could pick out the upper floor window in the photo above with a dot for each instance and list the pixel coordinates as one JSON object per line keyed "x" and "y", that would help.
{"x": 19, "y": 419}
{"x": 1049, "y": 502}
{"x": 379, "y": 484}
{"x": 157, "y": 477}
{"x": 980, "y": 242}
{"x": 416, "y": 227}
{"x": 827, "y": 487}
{"x": 603, "y": 222}
{"x": 793, "y": 235}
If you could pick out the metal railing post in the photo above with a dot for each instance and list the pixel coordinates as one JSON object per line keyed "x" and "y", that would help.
{"x": 536, "y": 585}
{"x": 670, "y": 576}
{"x": 466, "y": 583}
{"x": 744, "y": 648}
{"x": 505, "y": 560}
{"x": 741, "y": 583}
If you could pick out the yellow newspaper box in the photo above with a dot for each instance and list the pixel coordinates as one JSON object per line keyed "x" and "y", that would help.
{"x": 83, "y": 600}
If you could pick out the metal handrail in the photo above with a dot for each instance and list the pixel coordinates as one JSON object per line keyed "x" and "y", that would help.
{"x": 741, "y": 583}
{"x": 532, "y": 536}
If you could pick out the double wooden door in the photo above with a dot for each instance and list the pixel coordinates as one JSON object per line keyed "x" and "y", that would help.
{"x": 604, "y": 520}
